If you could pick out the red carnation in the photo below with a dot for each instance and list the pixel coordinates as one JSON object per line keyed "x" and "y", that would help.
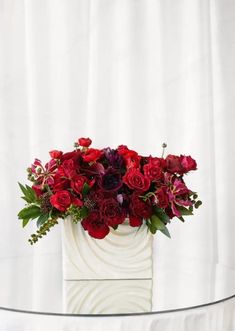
{"x": 135, "y": 180}
{"x": 91, "y": 155}
{"x": 84, "y": 142}
{"x": 61, "y": 200}
{"x": 95, "y": 226}
{"x": 153, "y": 170}
{"x": 55, "y": 154}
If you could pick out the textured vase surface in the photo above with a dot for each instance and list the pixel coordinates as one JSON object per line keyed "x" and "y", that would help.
{"x": 126, "y": 253}
{"x": 110, "y": 275}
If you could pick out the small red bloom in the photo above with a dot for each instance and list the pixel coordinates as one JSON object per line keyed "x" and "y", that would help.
{"x": 139, "y": 208}
{"x": 163, "y": 200}
{"x": 132, "y": 159}
{"x": 55, "y": 154}
{"x": 91, "y": 155}
{"x": 84, "y": 142}
{"x": 69, "y": 168}
{"x": 112, "y": 212}
{"x": 61, "y": 200}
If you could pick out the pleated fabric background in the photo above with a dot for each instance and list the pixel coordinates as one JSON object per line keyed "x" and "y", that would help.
{"x": 134, "y": 72}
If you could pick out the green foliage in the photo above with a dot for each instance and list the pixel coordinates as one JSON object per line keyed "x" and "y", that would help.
{"x": 77, "y": 213}
{"x": 43, "y": 230}
{"x": 29, "y": 212}
{"x": 184, "y": 211}
{"x": 28, "y": 193}
{"x": 156, "y": 222}
{"x": 86, "y": 188}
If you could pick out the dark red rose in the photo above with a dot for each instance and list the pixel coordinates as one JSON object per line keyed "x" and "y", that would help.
{"x": 139, "y": 208}
{"x": 69, "y": 168}
{"x": 61, "y": 200}
{"x": 135, "y": 220}
{"x": 60, "y": 182}
{"x": 173, "y": 164}
{"x": 55, "y": 154}
{"x": 84, "y": 142}
{"x": 91, "y": 155}
{"x": 112, "y": 212}
{"x": 135, "y": 180}
{"x": 188, "y": 163}
{"x": 95, "y": 226}
{"x": 77, "y": 183}
{"x": 162, "y": 197}
{"x": 153, "y": 171}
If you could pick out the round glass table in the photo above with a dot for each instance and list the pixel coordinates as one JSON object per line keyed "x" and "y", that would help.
{"x": 33, "y": 296}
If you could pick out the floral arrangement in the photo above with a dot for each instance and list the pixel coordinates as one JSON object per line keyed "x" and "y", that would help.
{"x": 104, "y": 187}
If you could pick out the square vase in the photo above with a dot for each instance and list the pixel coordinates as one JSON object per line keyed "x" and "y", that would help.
{"x": 110, "y": 275}
{"x": 125, "y": 253}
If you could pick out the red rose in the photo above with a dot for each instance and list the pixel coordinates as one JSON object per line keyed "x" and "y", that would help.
{"x": 188, "y": 163}
{"x": 84, "y": 142}
{"x": 61, "y": 200}
{"x": 139, "y": 208}
{"x": 69, "y": 168}
{"x": 91, "y": 155}
{"x": 112, "y": 212}
{"x": 77, "y": 183}
{"x": 60, "y": 182}
{"x": 95, "y": 226}
{"x": 55, "y": 154}
{"x": 135, "y": 180}
{"x": 173, "y": 164}
{"x": 163, "y": 200}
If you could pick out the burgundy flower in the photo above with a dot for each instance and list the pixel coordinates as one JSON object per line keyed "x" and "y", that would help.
{"x": 111, "y": 180}
{"x": 114, "y": 158}
{"x": 188, "y": 163}
{"x": 95, "y": 226}
{"x": 140, "y": 208}
{"x": 173, "y": 164}
{"x": 112, "y": 212}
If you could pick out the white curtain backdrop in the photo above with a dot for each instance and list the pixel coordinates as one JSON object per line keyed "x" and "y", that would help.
{"x": 135, "y": 72}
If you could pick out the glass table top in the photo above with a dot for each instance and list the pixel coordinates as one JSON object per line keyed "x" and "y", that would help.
{"x": 35, "y": 284}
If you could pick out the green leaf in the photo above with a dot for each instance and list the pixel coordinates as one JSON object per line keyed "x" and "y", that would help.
{"x": 166, "y": 232}
{"x": 181, "y": 219}
{"x": 85, "y": 189}
{"x": 42, "y": 219}
{"x": 115, "y": 227}
{"x": 25, "y": 222}
{"x": 84, "y": 212}
{"x": 29, "y": 194}
{"x": 152, "y": 228}
{"x": 162, "y": 215}
{"x": 29, "y": 212}
{"x": 184, "y": 211}
{"x": 157, "y": 224}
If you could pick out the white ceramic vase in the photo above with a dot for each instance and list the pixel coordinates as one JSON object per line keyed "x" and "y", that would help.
{"x": 96, "y": 268}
